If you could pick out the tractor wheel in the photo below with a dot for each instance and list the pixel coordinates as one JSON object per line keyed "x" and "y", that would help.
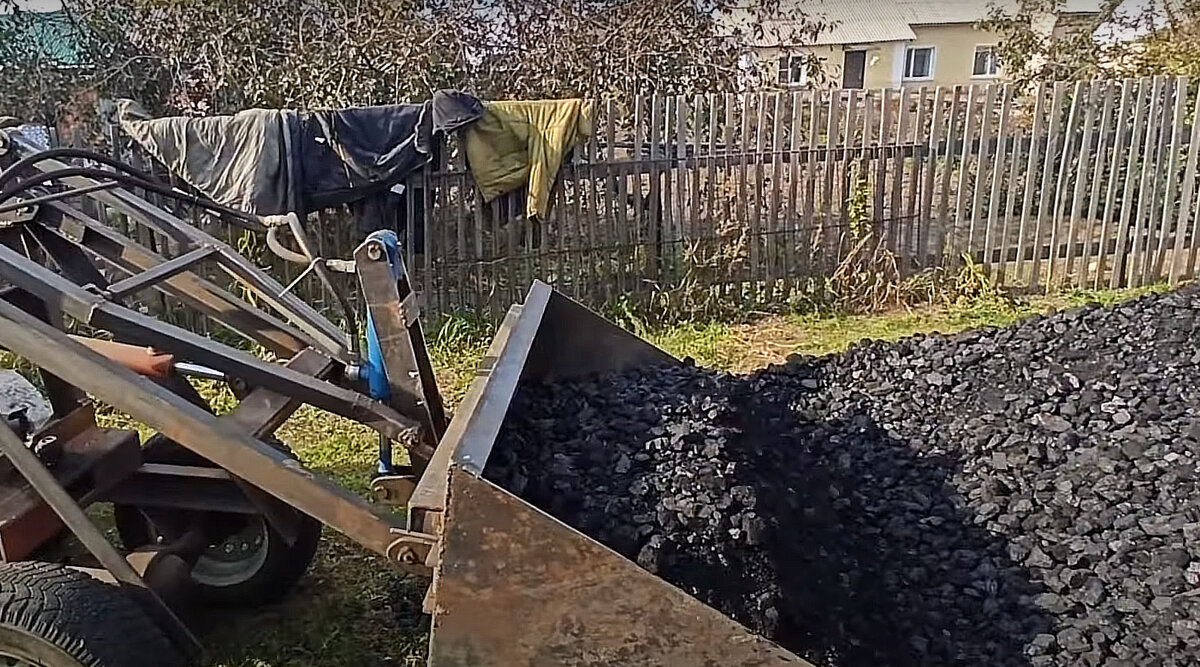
{"x": 253, "y": 565}
{"x": 53, "y": 616}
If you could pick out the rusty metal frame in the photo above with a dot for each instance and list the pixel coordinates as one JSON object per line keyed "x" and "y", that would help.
{"x": 393, "y": 309}
{"x": 92, "y": 307}
{"x": 222, "y": 440}
{"x": 513, "y": 585}
{"x": 59, "y": 499}
{"x": 67, "y": 236}
{"x": 102, "y": 242}
{"x": 188, "y": 237}
{"x": 318, "y": 353}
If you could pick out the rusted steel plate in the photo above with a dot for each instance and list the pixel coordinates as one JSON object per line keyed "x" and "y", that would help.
{"x": 549, "y": 337}
{"x": 213, "y": 438}
{"x": 92, "y": 460}
{"x": 515, "y": 587}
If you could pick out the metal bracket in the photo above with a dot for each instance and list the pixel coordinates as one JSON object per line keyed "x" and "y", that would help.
{"x": 410, "y": 548}
{"x": 410, "y": 309}
{"x": 14, "y": 217}
{"x": 394, "y": 489}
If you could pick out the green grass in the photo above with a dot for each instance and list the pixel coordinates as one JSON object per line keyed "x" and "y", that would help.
{"x": 353, "y": 609}
{"x": 767, "y": 340}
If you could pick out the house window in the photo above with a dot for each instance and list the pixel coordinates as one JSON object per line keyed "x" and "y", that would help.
{"x": 987, "y": 61}
{"x": 918, "y": 62}
{"x": 793, "y": 71}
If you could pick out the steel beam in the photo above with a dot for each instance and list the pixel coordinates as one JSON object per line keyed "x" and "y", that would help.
{"x": 66, "y": 297}
{"x": 180, "y": 231}
{"x": 195, "y": 292}
{"x": 406, "y": 361}
{"x": 43, "y": 481}
{"x": 219, "y": 441}
{"x": 64, "y": 398}
{"x": 150, "y": 277}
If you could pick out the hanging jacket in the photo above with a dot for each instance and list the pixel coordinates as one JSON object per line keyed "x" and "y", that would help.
{"x": 523, "y": 144}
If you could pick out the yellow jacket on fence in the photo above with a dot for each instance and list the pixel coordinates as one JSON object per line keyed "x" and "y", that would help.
{"x": 516, "y": 144}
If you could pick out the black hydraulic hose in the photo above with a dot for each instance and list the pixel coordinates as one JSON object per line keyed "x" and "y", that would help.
{"x": 322, "y": 272}
{"x": 55, "y": 196}
{"x": 29, "y": 160}
{"x": 146, "y": 178}
{"x": 238, "y": 218}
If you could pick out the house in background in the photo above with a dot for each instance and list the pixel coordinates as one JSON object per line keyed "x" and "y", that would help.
{"x": 891, "y": 43}
{"x": 38, "y": 32}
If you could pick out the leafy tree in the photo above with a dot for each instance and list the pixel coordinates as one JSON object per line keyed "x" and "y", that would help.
{"x": 1169, "y": 42}
{"x": 52, "y": 65}
{"x": 1034, "y": 47}
{"x": 222, "y": 55}
{"x": 554, "y": 48}
{"x": 215, "y": 56}
{"x": 1156, "y": 37}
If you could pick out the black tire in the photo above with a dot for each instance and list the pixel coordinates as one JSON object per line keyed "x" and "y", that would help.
{"x": 276, "y": 565}
{"x": 268, "y": 571}
{"x": 53, "y": 616}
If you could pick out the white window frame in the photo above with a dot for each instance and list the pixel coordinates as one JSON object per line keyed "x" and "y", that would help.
{"x": 932, "y": 62}
{"x": 975, "y": 54}
{"x": 791, "y": 57}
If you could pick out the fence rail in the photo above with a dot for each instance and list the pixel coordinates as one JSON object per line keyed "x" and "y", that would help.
{"x": 1078, "y": 184}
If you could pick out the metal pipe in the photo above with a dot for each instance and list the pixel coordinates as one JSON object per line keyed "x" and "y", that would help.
{"x": 235, "y": 217}
{"x": 55, "y": 196}
{"x": 54, "y": 153}
{"x": 198, "y": 371}
{"x": 327, "y": 281}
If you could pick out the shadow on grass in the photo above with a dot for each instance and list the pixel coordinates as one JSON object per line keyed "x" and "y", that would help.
{"x": 351, "y": 609}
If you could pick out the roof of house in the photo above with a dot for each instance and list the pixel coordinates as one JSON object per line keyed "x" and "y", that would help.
{"x": 854, "y": 22}
{"x": 48, "y": 36}
{"x": 862, "y": 21}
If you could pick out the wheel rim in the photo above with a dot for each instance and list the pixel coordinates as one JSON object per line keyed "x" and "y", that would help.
{"x": 236, "y": 559}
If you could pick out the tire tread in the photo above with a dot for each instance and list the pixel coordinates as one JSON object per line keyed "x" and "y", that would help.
{"x": 92, "y": 621}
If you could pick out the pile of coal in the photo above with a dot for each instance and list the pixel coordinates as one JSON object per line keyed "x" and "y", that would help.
{"x": 1020, "y": 496}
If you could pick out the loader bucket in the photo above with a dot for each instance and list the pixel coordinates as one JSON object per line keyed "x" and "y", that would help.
{"x": 514, "y": 586}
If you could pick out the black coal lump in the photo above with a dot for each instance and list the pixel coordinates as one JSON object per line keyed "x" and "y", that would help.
{"x": 1027, "y": 495}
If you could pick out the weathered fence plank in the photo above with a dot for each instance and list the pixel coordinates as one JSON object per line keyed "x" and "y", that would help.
{"x": 1120, "y": 146}
{"x": 1146, "y": 191}
{"x": 810, "y": 181}
{"x": 1097, "y": 180}
{"x": 925, "y": 254}
{"x": 963, "y": 192}
{"x": 1066, "y": 172}
{"x": 1081, "y": 167}
{"x": 791, "y": 267}
{"x": 773, "y": 266}
{"x": 1132, "y": 178}
{"x": 998, "y": 173}
{"x": 1054, "y": 142}
{"x": 1187, "y": 201}
{"x": 1167, "y": 218}
{"x": 1019, "y": 143}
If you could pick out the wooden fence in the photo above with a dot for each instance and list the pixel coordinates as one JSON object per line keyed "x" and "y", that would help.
{"x": 1083, "y": 184}
{"x": 1080, "y": 184}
